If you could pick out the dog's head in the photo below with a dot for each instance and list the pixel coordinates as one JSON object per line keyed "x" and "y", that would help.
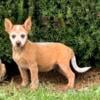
{"x": 18, "y": 33}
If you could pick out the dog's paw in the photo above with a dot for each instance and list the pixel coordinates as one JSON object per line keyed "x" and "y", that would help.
{"x": 63, "y": 88}
{"x": 24, "y": 84}
{"x": 34, "y": 86}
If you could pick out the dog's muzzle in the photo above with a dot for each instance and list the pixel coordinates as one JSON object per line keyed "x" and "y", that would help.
{"x": 18, "y": 43}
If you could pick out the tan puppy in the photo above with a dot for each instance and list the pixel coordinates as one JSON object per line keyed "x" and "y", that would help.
{"x": 39, "y": 56}
{"x": 2, "y": 71}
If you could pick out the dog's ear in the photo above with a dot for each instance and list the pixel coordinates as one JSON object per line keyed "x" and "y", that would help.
{"x": 27, "y": 24}
{"x": 8, "y": 25}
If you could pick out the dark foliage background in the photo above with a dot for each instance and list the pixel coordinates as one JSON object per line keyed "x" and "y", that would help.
{"x": 75, "y": 23}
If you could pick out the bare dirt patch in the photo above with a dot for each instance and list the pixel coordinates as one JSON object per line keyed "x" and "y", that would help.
{"x": 83, "y": 80}
{"x": 87, "y": 79}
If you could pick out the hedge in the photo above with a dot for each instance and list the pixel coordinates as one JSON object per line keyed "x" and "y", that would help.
{"x": 75, "y": 23}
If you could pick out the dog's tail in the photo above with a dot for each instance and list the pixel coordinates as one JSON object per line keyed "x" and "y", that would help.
{"x": 76, "y": 67}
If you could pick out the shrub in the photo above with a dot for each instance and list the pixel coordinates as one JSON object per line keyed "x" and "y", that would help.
{"x": 72, "y": 22}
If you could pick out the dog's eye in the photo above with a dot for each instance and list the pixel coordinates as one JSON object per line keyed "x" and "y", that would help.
{"x": 13, "y": 36}
{"x": 22, "y": 35}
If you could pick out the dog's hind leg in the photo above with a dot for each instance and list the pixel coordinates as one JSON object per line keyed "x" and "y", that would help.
{"x": 67, "y": 72}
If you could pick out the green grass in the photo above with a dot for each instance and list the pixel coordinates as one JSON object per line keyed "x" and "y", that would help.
{"x": 11, "y": 93}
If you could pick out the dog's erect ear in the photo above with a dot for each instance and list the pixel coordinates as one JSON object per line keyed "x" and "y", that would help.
{"x": 8, "y": 25}
{"x": 27, "y": 24}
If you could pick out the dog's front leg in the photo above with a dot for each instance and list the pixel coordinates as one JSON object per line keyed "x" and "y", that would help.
{"x": 34, "y": 76}
{"x": 24, "y": 76}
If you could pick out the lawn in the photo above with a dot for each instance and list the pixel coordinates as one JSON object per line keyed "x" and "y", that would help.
{"x": 9, "y": 92}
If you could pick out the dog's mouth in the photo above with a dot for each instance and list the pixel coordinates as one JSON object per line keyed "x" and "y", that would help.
{"x": 18, "y": 45}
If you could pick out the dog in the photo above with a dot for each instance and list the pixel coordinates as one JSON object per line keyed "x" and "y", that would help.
{"x": 40, "y": 57}
{"x": 2, "y": 71}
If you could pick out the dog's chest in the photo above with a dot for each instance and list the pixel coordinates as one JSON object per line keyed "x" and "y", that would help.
{"x": 17, "y": 56}
{"x": 20, "y": 60}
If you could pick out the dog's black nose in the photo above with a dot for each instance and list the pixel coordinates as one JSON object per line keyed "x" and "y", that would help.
{"x": 18, "y": 43}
